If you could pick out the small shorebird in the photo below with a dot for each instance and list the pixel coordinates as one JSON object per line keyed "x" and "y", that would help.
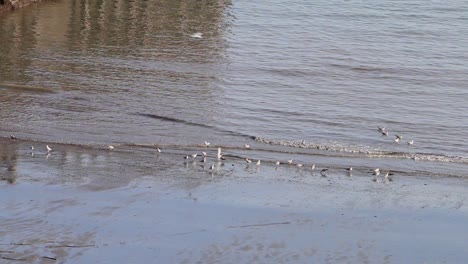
{"x": 377, "y": 172}
{"x": 186, "y": 157}
{"x": 247, "y": 146}
{"x": 299, "y": 165}
{"x": 48, "y": 148}
{"x": 277, "y": 163}
{"x": 350, "y": 169}
{"x": 322, "y": 172}
{"x": 397, "y": 139}
{"x": 381, "y": 129}
{"x": 258, "y": 162}
{"x": 219, "y": 155}
{"x": 158, "y": 150}
{"x": 110, "y": 147}
{"x": 384, "y": 133}
{"x": 194, "y": 155}
{"x": 212, "y": 167}
{"x": 32, "y": 147}
{"x": 313, "y": 166}
{"x": 203, "y": 160}
{"x": 204, "y": 154}
{"x": 248, "y": 160}
{"x": 411, "y": 142}
{"x": 207, "y": 144}
{"x": 13, "y": 137}
{"x": 290, "y": 161}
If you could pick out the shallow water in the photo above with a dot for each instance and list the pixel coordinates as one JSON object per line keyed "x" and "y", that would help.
{"x": 271, "y": 75}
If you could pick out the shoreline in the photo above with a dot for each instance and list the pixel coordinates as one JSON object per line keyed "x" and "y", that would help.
{"x": 95, "y": 206}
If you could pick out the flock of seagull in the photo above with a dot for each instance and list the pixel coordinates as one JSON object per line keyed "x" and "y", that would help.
{"x": 220, "y": 157}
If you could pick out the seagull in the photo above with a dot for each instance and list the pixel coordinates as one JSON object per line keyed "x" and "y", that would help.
{"x": 247, "y": 146}
{"x": 290, "y": 162}
{"x": 48, "y": 148}
{"x": 197, "y": 35}
{"x": 377, "y": 172}
{"x": 110, "y": 147}
{"x": 158, "y": 150}
{"x": 207, "y": 144}
{"x": 322, "y": 172}
{"x": 194, "y": 155}
{"x": 248, "y": 160}
{"x": 313, "y": 166}
{"x": 258, "y": 162}
{"x": 13, "y": 137}
{"x": 277, "y": 163}
{"x": 411, "y": 142}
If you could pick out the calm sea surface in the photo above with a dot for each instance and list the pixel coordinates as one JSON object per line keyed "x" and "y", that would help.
{"x": 311, "y": 78}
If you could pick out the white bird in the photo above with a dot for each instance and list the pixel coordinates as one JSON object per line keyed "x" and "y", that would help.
{"x": 207, "y": 144}
{"x": 186, "y": 157}
{"x": 397, "y": 139}
{"x": 204, "y": 154}
{"x": 203, "y": 160}
{"x": 411, "y": 142}
{"x": 32, "y": 147}
{"x": 322, "y": 172}
{"x": 384, "y": 133}
{"x": 377, "y": 172}
{"x": 290, "y": 161}
{"x": 247, "y": 146}
{"x": 197, "y": 35}
{"x": 381, "y": 129}
{"x": 212, "y": 167}
{"x": 48, "y": 148}
{"x": 194, "y": 155}
{"x": 313, "y": 166}
{"x": 299, "y": 165}
{"x": 219, "y": 155}
{"x": 248, "y": 160}
{"x": 258, "y": 162}
{"x": 110, "y": 147}
{"x": 399, "y": 136}
{"x": 277, "y": 163}
{"x": 158, "y": 150}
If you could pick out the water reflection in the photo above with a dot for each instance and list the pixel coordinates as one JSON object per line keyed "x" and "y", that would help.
{"x": 9, "y": 162}
{"x": 108, "y": 60}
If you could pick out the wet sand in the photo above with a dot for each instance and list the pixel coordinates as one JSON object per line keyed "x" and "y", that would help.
{"x": 90, "y": 205}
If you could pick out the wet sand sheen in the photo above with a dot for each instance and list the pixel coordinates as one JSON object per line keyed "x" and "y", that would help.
{"x": 90, "y": 206}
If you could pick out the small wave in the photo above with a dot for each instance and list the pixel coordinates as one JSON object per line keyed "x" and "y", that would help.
{"x": 185, "y": 122}
{"x": 20, "y": 87}
{"x": 353, "y": 151}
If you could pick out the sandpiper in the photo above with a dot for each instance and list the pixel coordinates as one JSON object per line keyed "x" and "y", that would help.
{"x": 219, "y": 155}
{"x": 384, "y": 133}
{"x": 258, "y": 162}
{"x": 377, "y": 172}
{"x": 158, "y": 150}
{"x": 194, "y": 155}
{"x": 248, "y": 160}
{"x": 186, "y": 157}
{"x": 299, "y": 165}
{"x": 212, "y": 167}
{"x": 13, "y": 137}
{"x": 110, "y": 147}
{"x": 290, "y": 161}
{"x": 32, "y": 147}
{"x": 411, "y": 142}
{"x": 277, "y": 163}
{"x": 48, "y": 148}
{"x": 399, "y": 136}
{"x": 247, "y": 146}
{"x": 313, "y": 166}
{"x": 207, "y": 144}
{"x": 322, "y": 172}
{"x": 203, "y": 160}
{"x": 397, "y": 139}
{"x": 204, "y": 154}
{"x": 381, "y": 129}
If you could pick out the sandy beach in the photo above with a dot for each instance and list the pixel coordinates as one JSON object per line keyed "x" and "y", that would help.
{"x": 90, "y": 205}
